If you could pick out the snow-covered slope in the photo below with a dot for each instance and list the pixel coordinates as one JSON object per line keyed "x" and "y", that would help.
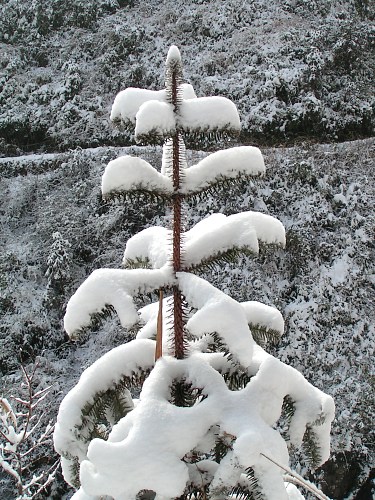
{"x": 294, "y": 68}
{"x": 322, "y": 281}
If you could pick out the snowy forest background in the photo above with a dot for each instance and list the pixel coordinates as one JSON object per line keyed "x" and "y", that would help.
{"x": 301, "y": 73}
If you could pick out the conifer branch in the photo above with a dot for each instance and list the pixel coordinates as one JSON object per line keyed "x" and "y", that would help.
{"x": 96, "y": 320}
{"x": 137, "y": 263}
{"x": 138, "y": 195}
{"x": 217, "y": 185}
{"x": 251, "y": 490}
{"x": 264, "y": 336}
{"x": 311, "y": 447}
{"x": 229, "y": 256}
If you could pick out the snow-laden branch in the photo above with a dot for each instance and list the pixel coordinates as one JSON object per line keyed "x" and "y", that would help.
{"x": 209, "y": 239}
{"x": 154, "y": 115}
{"x": 226, "y": 164}
{"x": 70, "y": 435}
{"x": 208, "y": 114}
{"x": 112, "y": 287}
{"x": 128, "y": 101}
{"x": 219, "y": 313}
{"x": 313, "y": 408}
{"x": 154, "y": 436}
{"x": 21, "y": 437}
{"x": 258, "y": 314}
{"x": 157, "y": 119}
{"x": 129, "y": 173}
{"x": 156, "y": 428}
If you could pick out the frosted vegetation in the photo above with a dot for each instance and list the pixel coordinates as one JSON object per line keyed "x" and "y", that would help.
{"x": 295, "y": 69}
{"x": 321, "y": 282}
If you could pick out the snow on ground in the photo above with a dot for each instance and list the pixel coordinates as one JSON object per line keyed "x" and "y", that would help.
{"x": 321, "y": 281}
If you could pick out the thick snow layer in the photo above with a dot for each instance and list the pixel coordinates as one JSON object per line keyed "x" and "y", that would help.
{"x": 293, "y": 492}
{"x": 115, "y": 287}
{"x": 155, "y": 118}
{"x": 268, "y": 229}
{"x": 128, "y": 101}
{"x": 150, "y": 244}
{"x": 218, "y": 234}
{"x": 156, "y": 435}
{"x": 210, "y": 237}
{"x": 259, "y": 314}
{"x": 154, "y": 438}
{"x": 100, "y": 376}
{"x": 208, "y": 114}
{"x": 130, "y": 173}
{"x": 173, "y": 55}
{"x": 228, "y": 163}
{"x": 217, "y": 312}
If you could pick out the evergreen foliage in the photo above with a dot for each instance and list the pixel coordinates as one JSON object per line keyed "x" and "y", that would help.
{"x": 207, "y": 350}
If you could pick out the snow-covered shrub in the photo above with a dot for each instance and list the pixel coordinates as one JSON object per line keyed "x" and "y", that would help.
{"x": 297, "y": 79}
{"x": 39, "y": 17}
{"x": 58, "y": 270}
{"x": 211, "y": 396}
{"x": 24, "y": 439}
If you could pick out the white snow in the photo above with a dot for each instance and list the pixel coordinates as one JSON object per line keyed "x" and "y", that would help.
{"x": 155, "y": 118}
{"x": 228, "y": 163}
{"x": 150, "y": 244}
{"x": 173, "y": 55}
{"x": 208, "y": 114}
{"x": 262, "y": 315}
{"x": 128, "y": 173}
{"x": 339, "y": 270}
{"x": 114, "y": 287}
{"x": 293, "y": 492}
{"x": 128, "y": 101}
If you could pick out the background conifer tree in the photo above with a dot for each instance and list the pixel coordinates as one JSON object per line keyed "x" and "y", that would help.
{"x": 204, "y": 423}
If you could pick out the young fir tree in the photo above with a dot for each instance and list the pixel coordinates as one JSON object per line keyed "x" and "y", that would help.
{"x": 58, "y": 273}
{"x": 204, "y": 423}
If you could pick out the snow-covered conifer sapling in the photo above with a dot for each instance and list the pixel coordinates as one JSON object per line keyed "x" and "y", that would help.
{"x": 205, "y": 422}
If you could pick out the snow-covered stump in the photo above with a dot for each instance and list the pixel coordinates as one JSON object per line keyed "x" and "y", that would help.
{"x": 206, "y": 418}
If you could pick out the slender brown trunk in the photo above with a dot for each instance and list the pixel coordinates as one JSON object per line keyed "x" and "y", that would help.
{"x": 177, "y": 298}
{"x": 159, "y": 329}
